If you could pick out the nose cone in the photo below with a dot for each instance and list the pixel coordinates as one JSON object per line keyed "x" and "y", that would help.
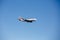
{"x": 34, "y": 19}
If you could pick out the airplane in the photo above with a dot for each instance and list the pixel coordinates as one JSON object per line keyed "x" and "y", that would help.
{"x": 30, "y": 20}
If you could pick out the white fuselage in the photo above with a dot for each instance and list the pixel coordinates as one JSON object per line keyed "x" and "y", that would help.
{"x": 27, "y": 20}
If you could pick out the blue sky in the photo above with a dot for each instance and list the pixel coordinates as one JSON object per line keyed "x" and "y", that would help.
{"x": 45, "y": 28}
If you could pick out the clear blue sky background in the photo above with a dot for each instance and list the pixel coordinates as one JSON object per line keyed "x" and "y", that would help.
{"x": 45, "y": 28}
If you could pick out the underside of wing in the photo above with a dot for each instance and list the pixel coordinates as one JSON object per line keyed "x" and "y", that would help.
{"x": 29, "y": 21}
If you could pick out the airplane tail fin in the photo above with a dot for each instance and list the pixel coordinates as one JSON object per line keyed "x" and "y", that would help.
{"x": 21, "y": 19}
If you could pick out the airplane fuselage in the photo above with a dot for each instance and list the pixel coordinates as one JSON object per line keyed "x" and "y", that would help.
{"x": 27, "y": 20}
